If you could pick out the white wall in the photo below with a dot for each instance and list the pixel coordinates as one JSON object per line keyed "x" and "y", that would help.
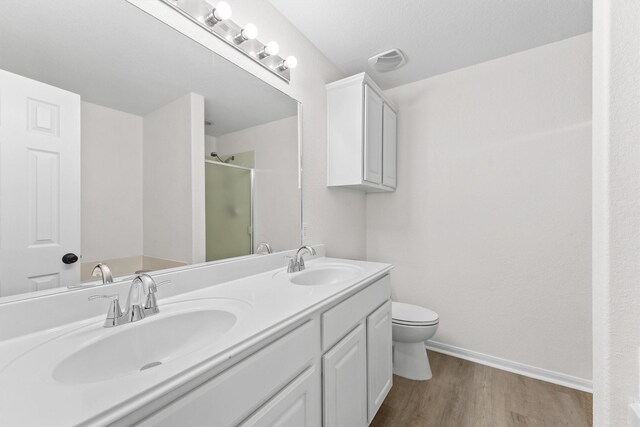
{"x": 491, "y": 223}
{"x": 334, "y": 216}
{"x": 173, "y": 189}
{"x": 616, "y": 209}
{"x": 276, "y": 193}
{"x": 111, "y": 183}
{"x": 209, "y": 145}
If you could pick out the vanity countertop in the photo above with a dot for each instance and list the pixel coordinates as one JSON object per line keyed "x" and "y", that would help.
{"x": 264, "y": 304}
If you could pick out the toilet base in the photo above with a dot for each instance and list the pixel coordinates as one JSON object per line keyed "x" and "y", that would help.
{"x": 410, "y": 361}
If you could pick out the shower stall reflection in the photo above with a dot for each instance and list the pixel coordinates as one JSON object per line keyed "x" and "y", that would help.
{"x": 229, "y": 207}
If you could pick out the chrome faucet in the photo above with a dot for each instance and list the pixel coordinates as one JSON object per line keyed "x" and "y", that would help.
{"x": 103, "y": 271}
{"x": 99, "y": 270}
{"x": 297, "y": 262}
{"x": 264, "y": 248}
{"x": 143, "y": 287}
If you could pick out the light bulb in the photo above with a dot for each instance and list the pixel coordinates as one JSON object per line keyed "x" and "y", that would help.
{"x": 223, "y": 10}
{"x": 288, "y": 64}
{"x": 291, "y": 62}
{"x": 271, "y": 48}
{"x": 250, "y": 32}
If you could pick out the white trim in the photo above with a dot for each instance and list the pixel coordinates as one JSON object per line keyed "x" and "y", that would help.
{"x": 511, "y": 366}
{"x": 634, "y": 415}
{"x": 227, "y": 165}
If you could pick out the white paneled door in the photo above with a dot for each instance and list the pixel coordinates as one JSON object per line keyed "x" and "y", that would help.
{"x": 39, "y": 185}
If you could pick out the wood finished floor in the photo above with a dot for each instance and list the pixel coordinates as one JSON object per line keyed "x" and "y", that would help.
{"x": 466, "y": 394}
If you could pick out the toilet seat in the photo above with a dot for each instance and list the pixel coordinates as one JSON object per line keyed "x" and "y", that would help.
{"x": 399, "y": 322}
{"x": 412, "y": 315}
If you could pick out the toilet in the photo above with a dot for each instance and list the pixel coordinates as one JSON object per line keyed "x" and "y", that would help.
{"x": 411, "y": 326}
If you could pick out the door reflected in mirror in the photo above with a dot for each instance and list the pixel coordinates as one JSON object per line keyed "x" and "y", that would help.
{"x": 124, "y": 142}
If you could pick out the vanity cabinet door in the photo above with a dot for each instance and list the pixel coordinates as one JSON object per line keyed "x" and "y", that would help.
{"x": 372, "y": 136}
{"x": 345, "y": 381}
{"x": 298, "y": 405}
{"x": 379, "y": 354}
{"x": 389, "y": 143}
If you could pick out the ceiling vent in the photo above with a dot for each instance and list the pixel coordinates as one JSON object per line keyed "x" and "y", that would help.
{"x": 388, "y": 61}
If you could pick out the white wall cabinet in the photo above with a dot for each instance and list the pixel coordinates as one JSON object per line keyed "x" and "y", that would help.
{"x": 361, "y": 136}
{"x": 332, "y": 370}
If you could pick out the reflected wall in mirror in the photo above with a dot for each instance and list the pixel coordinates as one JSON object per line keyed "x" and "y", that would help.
{"x": 124, "y": 142}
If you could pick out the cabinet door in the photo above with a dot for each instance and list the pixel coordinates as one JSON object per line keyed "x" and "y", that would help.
{"x": 298, "y": 405}
{"x": 345, "y": 381}
{"x": 372, "y": 136}
{"x": 379, "y": 351}
{"x": 389, "y": 143}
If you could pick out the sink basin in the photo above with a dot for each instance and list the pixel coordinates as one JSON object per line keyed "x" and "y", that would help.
{"x": 327, "y": 274}
{"x": 90, "y": 353}
{"x": 143, "y": 345}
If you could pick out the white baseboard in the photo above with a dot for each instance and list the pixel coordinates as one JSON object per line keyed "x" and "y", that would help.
{"x": 515, "y": 367}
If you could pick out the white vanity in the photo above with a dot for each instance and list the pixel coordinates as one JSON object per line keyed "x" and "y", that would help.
{"x": 187, "y": 165}
{"x": 236, "y": 343}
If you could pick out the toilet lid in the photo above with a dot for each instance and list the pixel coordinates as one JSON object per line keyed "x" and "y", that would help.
{"x": 410, "y": 314}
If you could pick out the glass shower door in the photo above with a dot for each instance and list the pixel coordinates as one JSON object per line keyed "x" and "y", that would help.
{"x": 228, "y": 210}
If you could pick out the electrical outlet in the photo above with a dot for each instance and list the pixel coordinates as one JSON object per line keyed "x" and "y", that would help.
{"x": 305, "y": 232}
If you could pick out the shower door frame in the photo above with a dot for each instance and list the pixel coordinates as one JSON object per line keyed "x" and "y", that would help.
{"x": 252, "y": 174}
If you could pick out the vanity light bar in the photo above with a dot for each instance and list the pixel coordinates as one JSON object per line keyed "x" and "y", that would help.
{"x": 217, "y": 21}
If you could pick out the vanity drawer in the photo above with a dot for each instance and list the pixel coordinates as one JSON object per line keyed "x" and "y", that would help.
{"x": 338, "y": 321}
{"x": 234, "y": 394}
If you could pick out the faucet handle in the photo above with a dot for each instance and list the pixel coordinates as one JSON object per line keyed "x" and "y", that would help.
{"x": 151, "y": 305}
{"x": 292, "y": 264}
{"x": 114, "y": 312}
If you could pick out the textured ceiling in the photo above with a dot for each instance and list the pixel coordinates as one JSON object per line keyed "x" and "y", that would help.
{"x": 113, "y": 54}
{"x": 437, "y": 35}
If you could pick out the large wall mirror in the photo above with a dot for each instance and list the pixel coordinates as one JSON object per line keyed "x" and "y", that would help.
{"x": 124, "y": 142}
